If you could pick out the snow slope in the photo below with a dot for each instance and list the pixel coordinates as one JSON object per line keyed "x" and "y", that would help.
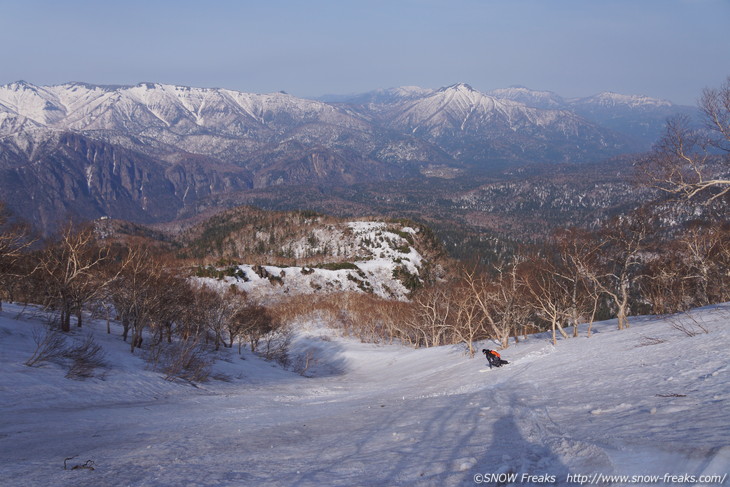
{"x": 649, "y": 400}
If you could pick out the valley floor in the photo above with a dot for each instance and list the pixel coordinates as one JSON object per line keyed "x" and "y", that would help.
{"x": 645, "y": 401}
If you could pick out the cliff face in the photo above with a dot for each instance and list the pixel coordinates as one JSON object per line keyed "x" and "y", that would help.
{"x": 78, "y": 177}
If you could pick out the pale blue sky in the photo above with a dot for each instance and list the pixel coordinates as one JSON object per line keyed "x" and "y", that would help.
{"x": 663, "y": 48}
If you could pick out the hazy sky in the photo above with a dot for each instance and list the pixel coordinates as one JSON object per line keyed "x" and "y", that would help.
{"x": 663, "y": 48}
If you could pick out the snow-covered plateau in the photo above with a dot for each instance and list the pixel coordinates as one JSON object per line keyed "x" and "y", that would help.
{"x": 642, "y": 406}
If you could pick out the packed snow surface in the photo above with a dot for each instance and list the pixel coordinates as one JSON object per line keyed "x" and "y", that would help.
{"x": 619, "y": 407}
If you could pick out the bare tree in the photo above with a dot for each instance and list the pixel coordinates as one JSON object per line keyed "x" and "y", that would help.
{"x": 621, "y": 246}
{"x": 498, "y": 298}
{"x": 14, "y": 242}
{"x": 703, "y": 249}
{"x": 577, "y": 249}
{"x": 69, "y": 269}
{"x": 433, "y": 316}
{"x": 217, "y": 311}
{"x": 690, "y": 270}
{"x": 469, "y": 326}
{"x": 550, "y": 294}
{"x": 141, "y": 294}
{"x": 668, "y": 282}
{"x": 251, "y": 322}
{"x": 512, "y": 294}
{"x": 683, "y": 162}
{"x": 177, "y": 301}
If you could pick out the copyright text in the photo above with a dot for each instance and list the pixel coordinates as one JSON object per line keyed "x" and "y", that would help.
{"x": 596, "y": 479}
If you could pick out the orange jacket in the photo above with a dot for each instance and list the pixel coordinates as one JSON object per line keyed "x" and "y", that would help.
{"x": 495, "y": 353}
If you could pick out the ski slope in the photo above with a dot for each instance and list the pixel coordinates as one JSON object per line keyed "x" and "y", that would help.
{"x": 619, "y": 408}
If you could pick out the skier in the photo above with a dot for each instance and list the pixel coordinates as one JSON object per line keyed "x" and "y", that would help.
{"x": 493, "y": 358}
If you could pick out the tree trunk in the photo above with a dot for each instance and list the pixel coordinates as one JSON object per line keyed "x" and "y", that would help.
{"x": 560, "y": 329}
{"x": 555, "y": 340}
{"x": 159, "y": 336}
{"x": 65, "y": 318}
{"x": 623, "y": 322}
{"x": 136, "y": 339}
{"x": 125, "y": 327}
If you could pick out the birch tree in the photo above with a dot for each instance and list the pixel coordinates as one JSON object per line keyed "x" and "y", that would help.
{"x": 617, "y": 268}
{"x": 550, "y": 295}
{"x": 497, "y": 296}
{"x": 69, "y": 269}
{"x": 685, "y": 162}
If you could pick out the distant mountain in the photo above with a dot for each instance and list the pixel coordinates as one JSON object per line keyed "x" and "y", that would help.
{"x": 531, "y": 98}
{"x": 385, "y": 96}
{"x": 477, "y": 127}
{"x": 153, "y": 152}
{"x": 638, "y": 117}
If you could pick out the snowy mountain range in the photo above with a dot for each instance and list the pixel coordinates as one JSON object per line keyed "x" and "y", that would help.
{"x": 148, "y": 152}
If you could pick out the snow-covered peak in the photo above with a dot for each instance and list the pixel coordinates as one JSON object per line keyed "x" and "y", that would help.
{"x": 459, "y": 87}
{"x": 461, "y": 107}
{"x": 33, "y": 102}
{"x": 410, "y": 91}
{"x": 76, "y": 85}
{"x": 153, "y": 106}
{"x": 382, "y": 96}
{"x": 20, "y": 85}
{"x": 532, "y": 98}
{"x": 610, "y": 99}
{"x": 464, "y": 96}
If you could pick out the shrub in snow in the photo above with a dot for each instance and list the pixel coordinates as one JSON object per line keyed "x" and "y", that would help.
{"x": 85, "y": 358}
{"x": 82, "y": 358}
{"x": 184, "y": 359}
{"x": 50, "y": 346}
{"x": 275, "y": 345}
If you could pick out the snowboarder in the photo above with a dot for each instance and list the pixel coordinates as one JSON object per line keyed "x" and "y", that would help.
{"x": 493, "y": 358}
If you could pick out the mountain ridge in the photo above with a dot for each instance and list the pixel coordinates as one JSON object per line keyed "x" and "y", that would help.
{"x": 197, "y": 142}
